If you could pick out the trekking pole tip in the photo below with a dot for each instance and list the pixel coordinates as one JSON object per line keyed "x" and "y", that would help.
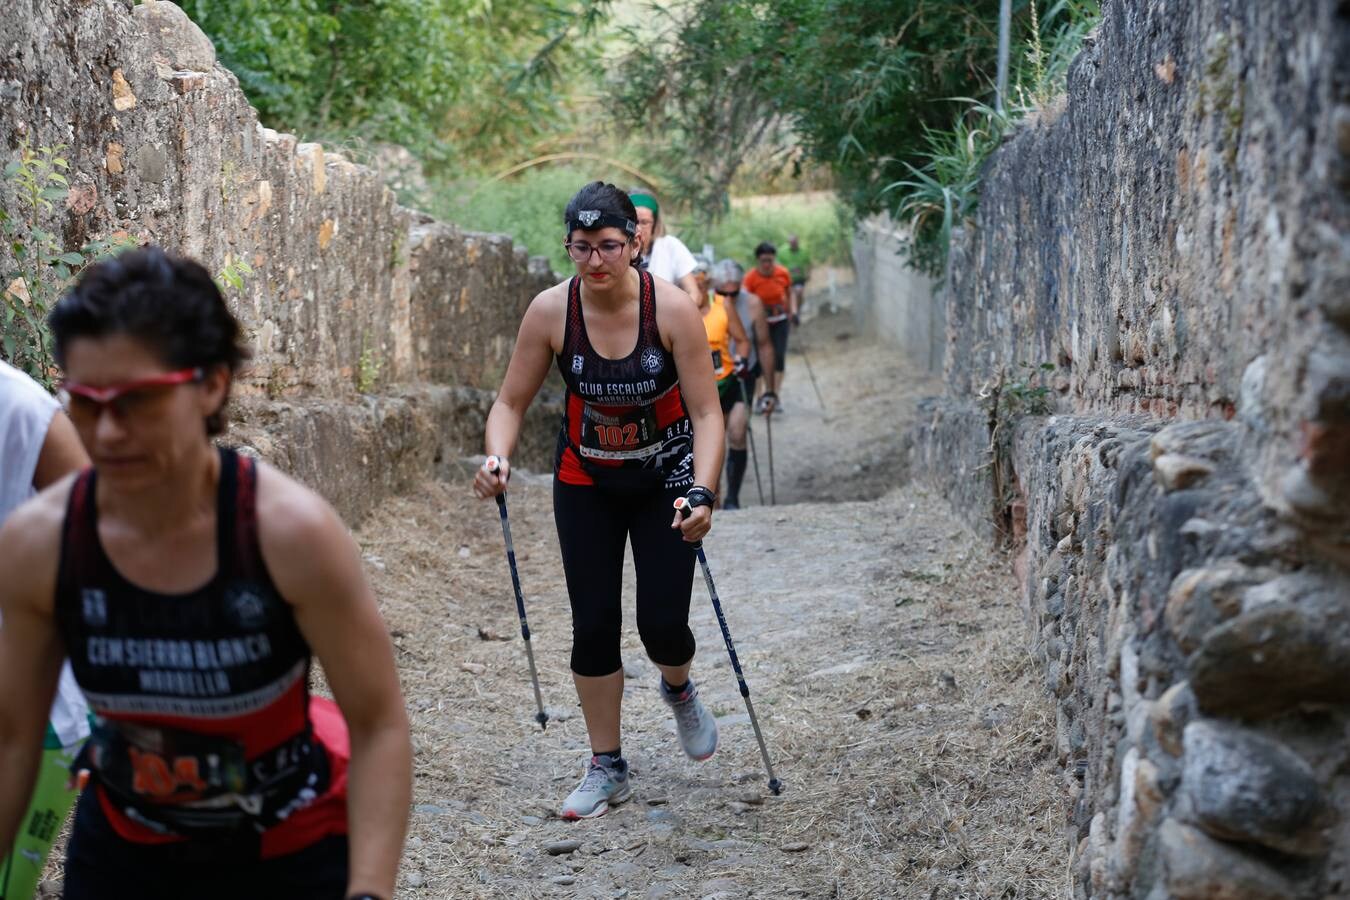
{"x": 775, "y": 786}
{"x": 542, "y": 718}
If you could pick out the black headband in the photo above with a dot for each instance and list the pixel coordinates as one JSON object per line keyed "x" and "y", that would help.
{"x": 591, "y": 219}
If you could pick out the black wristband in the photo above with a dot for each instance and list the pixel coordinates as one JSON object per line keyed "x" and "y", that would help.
{"x": 700, "y": 496}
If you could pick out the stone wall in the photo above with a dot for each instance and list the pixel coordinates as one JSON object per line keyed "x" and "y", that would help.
{"x": 356, "y": 306}
{"x": 1171, "y": 237}
{"x": 892, "y": 300}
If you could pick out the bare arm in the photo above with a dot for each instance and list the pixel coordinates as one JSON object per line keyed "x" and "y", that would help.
{"x": 62, "y": 452}
{"x": 31, "y": 651}
{"x": 525, "y": 373}
{"x": 317, "y": 568}
{"x": 682, "y": 325}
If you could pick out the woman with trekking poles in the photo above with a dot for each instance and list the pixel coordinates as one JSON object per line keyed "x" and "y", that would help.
{"x": 642, "y": 427}
{"x": 737, "y": 327}
{"x": 190, "y": 586}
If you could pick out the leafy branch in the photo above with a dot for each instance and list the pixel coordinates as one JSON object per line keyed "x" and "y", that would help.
{"x": 42, "y": 269}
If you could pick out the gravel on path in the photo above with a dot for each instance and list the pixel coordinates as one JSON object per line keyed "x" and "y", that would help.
{"x": 882, "y": 643}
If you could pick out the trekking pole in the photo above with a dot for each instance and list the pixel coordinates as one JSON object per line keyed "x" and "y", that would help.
{"x": 776, "y": 786}
{"x": 768, "y": 429}
{"x": 809, "y": 371}
{"x": 750, "y": 432}
{"x": 492, "y": 465}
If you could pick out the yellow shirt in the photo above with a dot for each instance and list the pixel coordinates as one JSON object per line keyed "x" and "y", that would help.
{"x": 715, "y": 322}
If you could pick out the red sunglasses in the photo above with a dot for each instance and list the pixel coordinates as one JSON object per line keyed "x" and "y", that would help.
{"x": 126, "y": 397}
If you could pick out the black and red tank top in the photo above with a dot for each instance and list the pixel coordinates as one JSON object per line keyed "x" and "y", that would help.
{"x": 624, "y": 425}
{"x": 204, "y": 726}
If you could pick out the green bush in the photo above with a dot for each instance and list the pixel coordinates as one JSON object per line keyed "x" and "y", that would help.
{"x": 42, "y": 269}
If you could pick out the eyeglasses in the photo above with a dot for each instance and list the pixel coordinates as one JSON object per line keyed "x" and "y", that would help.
{"x": 730, "y": 292}
{"x": 581, "y": 251}
{"x": 127, "y": 400}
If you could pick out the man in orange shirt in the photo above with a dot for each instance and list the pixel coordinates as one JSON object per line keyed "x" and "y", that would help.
{"x": 773, "y": 285}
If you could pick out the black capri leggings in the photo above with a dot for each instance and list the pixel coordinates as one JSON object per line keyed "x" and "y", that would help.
{"x": 778, "y": 333}
{"x": 593, "y": 525}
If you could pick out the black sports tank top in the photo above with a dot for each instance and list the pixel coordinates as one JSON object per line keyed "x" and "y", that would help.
{"x": 624, "y": 424}
{"x": 202, "y": 698}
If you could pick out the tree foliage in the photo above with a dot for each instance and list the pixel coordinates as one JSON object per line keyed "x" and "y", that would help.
{"x": 444, "y": 78}
{"x": 692, "y": 95}
{"x": 853, "y": 83}
{"x": 887, "y": 93}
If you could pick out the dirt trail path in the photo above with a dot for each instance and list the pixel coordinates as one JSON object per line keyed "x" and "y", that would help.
{"x": 882, "y": 645}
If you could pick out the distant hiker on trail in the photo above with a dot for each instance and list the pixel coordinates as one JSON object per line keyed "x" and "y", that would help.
{"x": 752, "y": 357}
{"x": 798, "y": 263}
{"x": 188, "y": 584}
{"x": 701, "y": 277}
{"x": 39, "y": 446}
{"x": 773, "y": 285}
{"x": 641, "y": 427}
{"x": 662, "y": 254}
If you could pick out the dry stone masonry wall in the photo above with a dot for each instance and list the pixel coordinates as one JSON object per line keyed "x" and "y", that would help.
{"x": 375, "y": 330}
{"x": 1173, "y": 238}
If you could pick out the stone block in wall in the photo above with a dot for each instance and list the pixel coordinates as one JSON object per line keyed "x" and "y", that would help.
{"x": 1198, "y": 867}
{"x": 1243, "y": 786}
{"x": 1292, "y": 649}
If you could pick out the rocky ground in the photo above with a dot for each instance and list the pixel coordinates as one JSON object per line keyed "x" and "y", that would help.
{"x": 882, "y": 644}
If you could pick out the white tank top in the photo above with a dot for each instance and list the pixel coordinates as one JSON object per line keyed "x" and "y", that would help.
{"x": 26, "y": 411}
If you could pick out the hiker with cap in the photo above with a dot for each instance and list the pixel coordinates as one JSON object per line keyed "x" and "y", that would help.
{"x": 641, "y": 428}
{"x": 662, "y": 253}
{"x": 738, "y": 336}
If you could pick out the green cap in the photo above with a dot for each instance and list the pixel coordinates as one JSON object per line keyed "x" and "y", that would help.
{"x": 647, "y": 201}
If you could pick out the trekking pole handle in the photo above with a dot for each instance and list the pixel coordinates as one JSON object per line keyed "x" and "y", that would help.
{"x": 492, "y": 465}
{"x": 683, "y": 508}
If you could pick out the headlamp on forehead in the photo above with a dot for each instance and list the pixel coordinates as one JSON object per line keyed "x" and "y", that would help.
{"x": 593, "y": 219}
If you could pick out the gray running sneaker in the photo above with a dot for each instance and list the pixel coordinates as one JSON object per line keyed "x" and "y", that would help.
{"x": 602, "y": 787}
{"x": 697, "y": 727}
